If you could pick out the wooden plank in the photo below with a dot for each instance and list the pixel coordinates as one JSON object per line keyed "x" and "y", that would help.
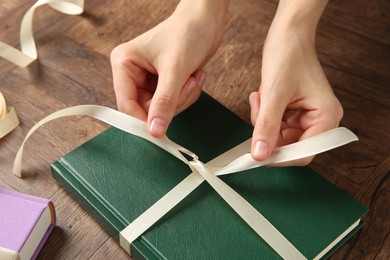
{"x": 368, "y": 19}
{"x": 119, "y": 21}
{"x": 8, "y": 7}
{"x": 373, "y": 238}
{"x": 110, "y": 250}
{"x": 384, "y": 252}
{"x": 353, "y": 42}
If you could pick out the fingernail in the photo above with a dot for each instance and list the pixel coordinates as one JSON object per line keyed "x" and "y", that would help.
{"x": 191, "y": 86}
{"x": 158, "y": 126}
{"x": 260, "y": 150}
{"x": 202, "y": 79}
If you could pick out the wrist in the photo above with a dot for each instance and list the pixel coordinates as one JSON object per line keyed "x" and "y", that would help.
{"x": 204, "y": 18}
{"x": 206, "y": 12}
{"x": 203, "y": 5}
{"x": 299, "y": 18}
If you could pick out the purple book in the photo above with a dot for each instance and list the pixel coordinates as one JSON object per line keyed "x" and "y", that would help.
{"x": 25, "y": 223}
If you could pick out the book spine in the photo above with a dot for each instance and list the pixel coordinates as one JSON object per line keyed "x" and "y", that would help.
{"x": 342, "y": 241}
{"x": 43, "y": 241}
{"x": 98, "y": 209}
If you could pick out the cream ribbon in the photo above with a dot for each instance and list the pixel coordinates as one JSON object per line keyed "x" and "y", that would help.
{"x": 235, "y": 160}
{"x": 8, "y": 254}
{"x": 29, "y": 50}
{"x": 8, "y": 118}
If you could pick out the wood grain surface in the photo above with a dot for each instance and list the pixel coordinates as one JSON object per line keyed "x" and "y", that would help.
{"x": 353, "y": 43}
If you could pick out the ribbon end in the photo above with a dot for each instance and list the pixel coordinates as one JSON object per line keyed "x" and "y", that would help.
{"x": 70, "y": 7}
{"x": 17, "y": 168}
{"x": 124, "y": 243}
{"x": 348, "y": 134}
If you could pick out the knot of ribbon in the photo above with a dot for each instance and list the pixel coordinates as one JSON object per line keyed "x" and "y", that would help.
{"x": 233, "y": 161}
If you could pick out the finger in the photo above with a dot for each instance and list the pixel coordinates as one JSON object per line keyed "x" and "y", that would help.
{"x": 319, "y": 128}
{"x": 200, "y": 76}
{"x": 124, "y": 85}
{"x": 292, "y": 118}
{"x": 188, "y": 95}
{"x": 254, "y": 102}
{"x": 289, "y": 135}
{"x": 191, "y": 97}
{"x": 144, "y": 98}
{"x": 267, "y": 127}
{"x": 290, "y": 130}
{"x": 191, "y": 90}
{"x": 313, "y": 131}
{"x": 164, "y": 102}
{"x": 189, "y": 87}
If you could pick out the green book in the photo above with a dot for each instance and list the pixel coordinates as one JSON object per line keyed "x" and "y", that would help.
{"x": 116, "y": 177}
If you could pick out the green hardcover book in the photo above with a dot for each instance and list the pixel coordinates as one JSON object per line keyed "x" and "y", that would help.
{"x": 117, "y": 176}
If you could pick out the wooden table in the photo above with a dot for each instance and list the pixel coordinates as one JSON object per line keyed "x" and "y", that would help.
{"x": 353, "y": 46}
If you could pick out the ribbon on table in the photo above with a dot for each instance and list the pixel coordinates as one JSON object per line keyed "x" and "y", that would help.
{"x": 8, "y": 118}
{"x": 235, "y": 160}
{"x": 28, "y": 52}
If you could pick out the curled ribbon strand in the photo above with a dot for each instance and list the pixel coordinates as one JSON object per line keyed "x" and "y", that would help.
{"x": 28, "y": 52}
{"x": 8, "y": 118}
{"x": 234, "y": 160}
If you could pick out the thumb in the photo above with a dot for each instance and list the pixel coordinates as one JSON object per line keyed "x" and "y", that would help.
{"x": 163, "y": 104}
{"x": 267, "y": 126}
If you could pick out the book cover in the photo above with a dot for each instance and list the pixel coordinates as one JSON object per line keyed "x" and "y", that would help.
{"x": 25, "y": 224}
{"x": 116, "y": 177}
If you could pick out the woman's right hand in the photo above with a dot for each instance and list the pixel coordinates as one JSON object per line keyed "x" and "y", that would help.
{"x": 159, "y": 73}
